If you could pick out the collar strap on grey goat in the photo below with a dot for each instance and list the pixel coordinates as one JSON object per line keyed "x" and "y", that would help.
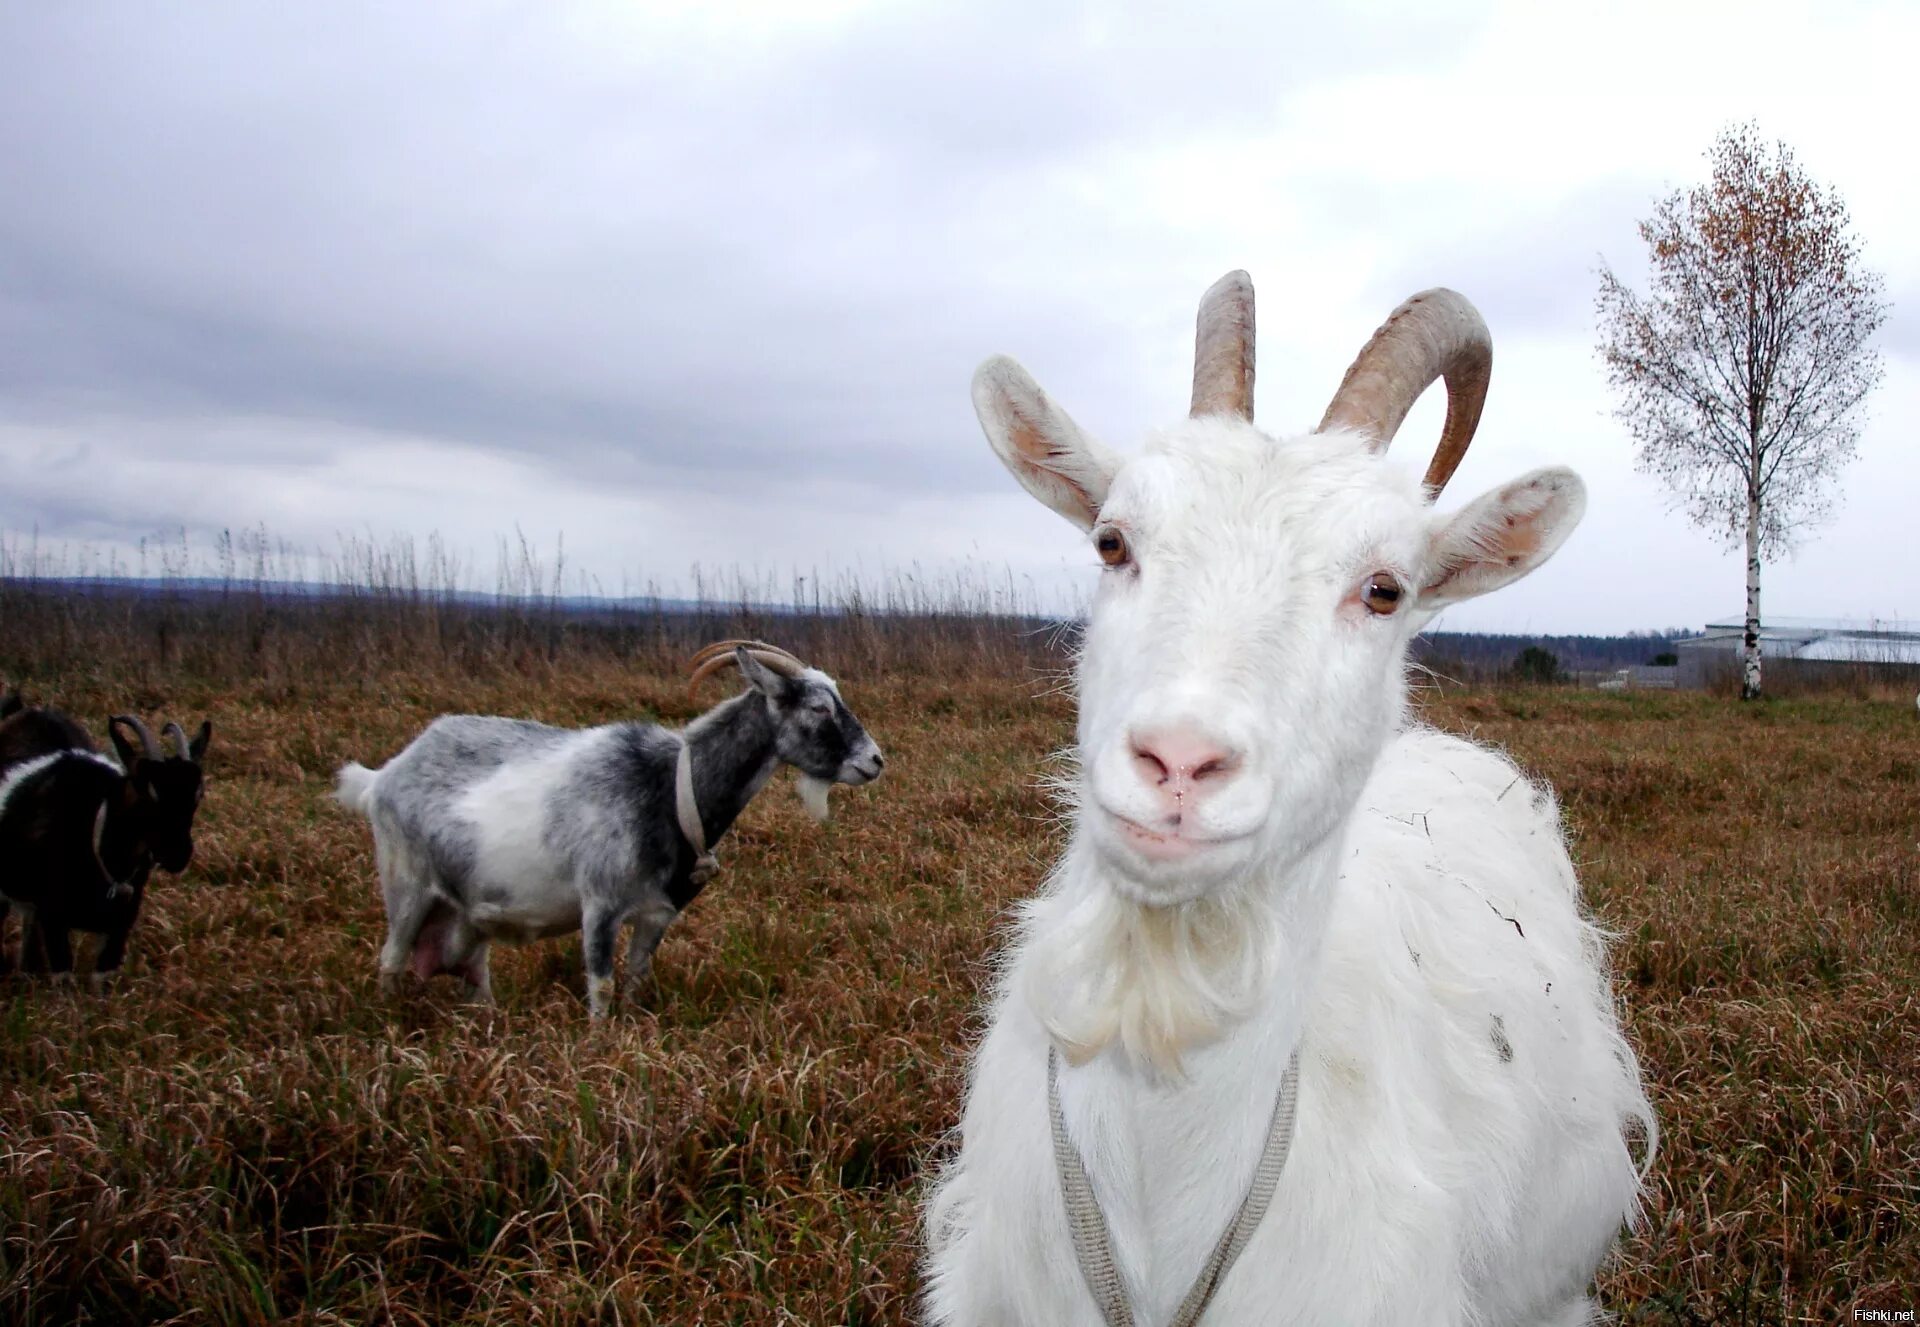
{"x": 1093, "y": 1246}
{"x": 687, "y": 811}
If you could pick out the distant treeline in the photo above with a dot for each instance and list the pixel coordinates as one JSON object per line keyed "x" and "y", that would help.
{"x": 1472, "y": 657}
{"x": 251, "y": 607}
{"x": 277, "y": 634}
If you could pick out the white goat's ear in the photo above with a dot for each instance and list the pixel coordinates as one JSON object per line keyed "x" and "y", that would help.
{"x": 1046, "y": 451}
{"x": 1501, "y": 536}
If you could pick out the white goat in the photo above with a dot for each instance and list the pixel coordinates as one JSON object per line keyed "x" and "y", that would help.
{"x": 1288, "y": 917}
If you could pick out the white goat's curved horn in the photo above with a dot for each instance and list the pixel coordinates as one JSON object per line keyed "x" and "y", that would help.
{"x": 150, "y": 747}
{"x": 1435, "y": 334}
{"x": 1223, "y": 349}
{"x": 719, "y": 654}
{"x": 178, "y": 736}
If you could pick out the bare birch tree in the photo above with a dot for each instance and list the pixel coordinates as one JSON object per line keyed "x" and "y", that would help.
{"x": 1741, "y": 370}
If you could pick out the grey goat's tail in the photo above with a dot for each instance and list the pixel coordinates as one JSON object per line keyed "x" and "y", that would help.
{"x": 353, "y": 787}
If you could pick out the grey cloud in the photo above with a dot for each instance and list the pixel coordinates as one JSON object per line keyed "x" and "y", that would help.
{"x": 245, "y": 250}
{"x": 1900, "y": 334}
{"x": 1521, "y": 285}
{"x": 706, "y": 258}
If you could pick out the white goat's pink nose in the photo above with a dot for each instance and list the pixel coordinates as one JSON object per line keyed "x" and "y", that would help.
{"x": 1182, "y": 765}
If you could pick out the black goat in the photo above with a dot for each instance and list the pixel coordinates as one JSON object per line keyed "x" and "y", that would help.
{"x": 142, "y": 817}
{"x": 53, "y": 812}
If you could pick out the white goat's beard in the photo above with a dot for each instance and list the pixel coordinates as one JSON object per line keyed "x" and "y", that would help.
{"x": 1159, "y": 980}
{"x": 813, "y": 795}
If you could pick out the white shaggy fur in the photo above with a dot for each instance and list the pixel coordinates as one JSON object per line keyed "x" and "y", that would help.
{"x": 1396, "y": 903}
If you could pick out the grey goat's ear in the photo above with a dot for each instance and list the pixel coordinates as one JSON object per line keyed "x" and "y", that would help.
{"x": 760, "y": 677}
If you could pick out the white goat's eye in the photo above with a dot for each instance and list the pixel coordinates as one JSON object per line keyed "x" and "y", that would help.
{"x": 1112, "y": 546}
{"x": 1381, "y": 593}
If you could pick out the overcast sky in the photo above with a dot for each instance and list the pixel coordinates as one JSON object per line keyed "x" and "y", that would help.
{"x": 700, "y": 283}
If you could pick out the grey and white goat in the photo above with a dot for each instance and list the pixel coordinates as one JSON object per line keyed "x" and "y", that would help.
{"x": 492, "y": 829}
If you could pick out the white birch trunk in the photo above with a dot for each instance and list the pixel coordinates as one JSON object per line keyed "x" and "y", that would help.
{"x": 1750, "y": 676}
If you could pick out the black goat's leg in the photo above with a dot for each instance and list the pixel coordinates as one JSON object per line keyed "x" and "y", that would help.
{"x": 107, "y": 959}
{"x": 51, "y": 951}
{"x": 33, "y": 943}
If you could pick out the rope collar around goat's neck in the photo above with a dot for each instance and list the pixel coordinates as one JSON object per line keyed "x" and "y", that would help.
{"x": 687, "y": 811}
{"x": 1093, "y": 1246}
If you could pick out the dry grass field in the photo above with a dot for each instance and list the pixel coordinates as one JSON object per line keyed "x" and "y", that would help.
{"x": 246, "y": 1133}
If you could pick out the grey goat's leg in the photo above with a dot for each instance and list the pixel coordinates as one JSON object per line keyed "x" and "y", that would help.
{"x": 649, "y": 924}
{"x": 599, "y": 927}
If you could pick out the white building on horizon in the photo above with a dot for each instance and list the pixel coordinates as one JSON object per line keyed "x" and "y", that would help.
{"x": 1835, "y": 641}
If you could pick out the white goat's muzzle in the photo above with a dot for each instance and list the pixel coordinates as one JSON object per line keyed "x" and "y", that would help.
{"x": 1177, "y": 808}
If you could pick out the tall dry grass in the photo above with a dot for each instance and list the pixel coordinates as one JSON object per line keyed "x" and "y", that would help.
{"x": 247, "y": 1133}
{"x": 250, "y": 609}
